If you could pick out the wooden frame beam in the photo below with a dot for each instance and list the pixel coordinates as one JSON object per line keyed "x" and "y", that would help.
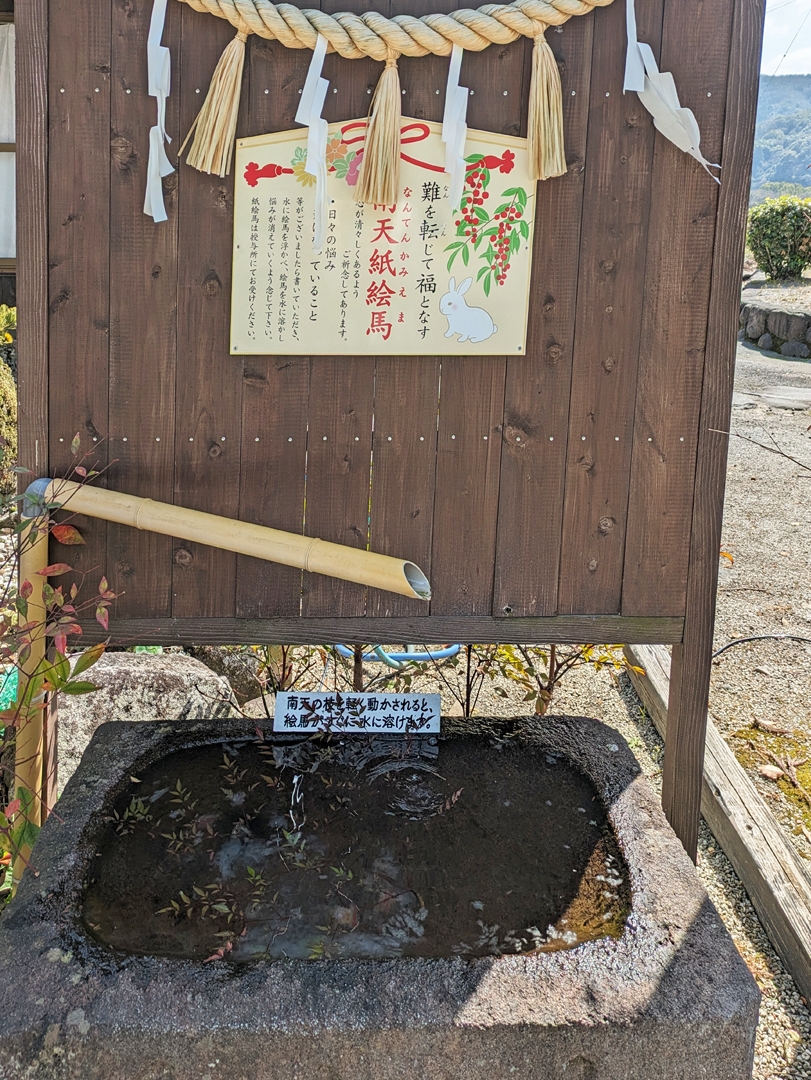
{"x": 690, "y": 674}
{"x": 561, "y": 629}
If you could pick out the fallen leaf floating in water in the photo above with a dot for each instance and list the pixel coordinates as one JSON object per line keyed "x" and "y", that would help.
{"x": 770, "y": 772}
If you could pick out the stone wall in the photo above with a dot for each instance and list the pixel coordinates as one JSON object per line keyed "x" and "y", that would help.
{"x": 786, "y": 332}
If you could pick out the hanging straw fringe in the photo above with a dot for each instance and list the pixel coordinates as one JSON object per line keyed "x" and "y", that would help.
{"x": 215, "y": 126}
{"x": 545, "y": 129}
{"x": 379, "y": 176}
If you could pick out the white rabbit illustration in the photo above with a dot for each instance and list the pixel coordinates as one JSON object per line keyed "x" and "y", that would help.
{"x": 470, "y": 323}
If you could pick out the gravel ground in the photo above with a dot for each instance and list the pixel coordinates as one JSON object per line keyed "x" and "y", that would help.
{"x": 767, "y": 530}
{"x": 794, "y": 295}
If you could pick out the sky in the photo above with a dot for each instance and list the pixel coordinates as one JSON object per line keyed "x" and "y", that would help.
{"x": 784, "y": 20}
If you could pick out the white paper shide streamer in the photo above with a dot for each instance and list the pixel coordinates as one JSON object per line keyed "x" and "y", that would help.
{"x": 454, "y": 128}
{"x": 309, "y": 113}
{"x": 657, "y": 92}
{"x": 159, "y": 71}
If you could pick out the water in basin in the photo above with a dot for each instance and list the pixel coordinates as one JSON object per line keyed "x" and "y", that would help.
{"x": 356, "y": 847}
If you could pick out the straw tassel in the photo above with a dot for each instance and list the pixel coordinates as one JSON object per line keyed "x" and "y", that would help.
{"x": 379, "y": 176}
{"x": 547, "y": 156}
{"x": 215, "y": 127}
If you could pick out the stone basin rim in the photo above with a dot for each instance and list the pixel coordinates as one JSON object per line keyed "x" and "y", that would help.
{"x": 609, "y": 980}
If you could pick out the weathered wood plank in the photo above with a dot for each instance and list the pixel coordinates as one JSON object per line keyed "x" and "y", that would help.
{"x": 774, "y": 875}
{"x": 690, "y": 682}
{"x": 695, "y": 49}
{"x": 339, "y": 451}
{"x": 143, "y": 319}
{"x": 572, "y": 629}
{"x": 616, "y": 208}
{"x": 32, "y": 234}
{"x": 78, "y": 243}
{"x": 208, "y": 379}
{"x": 403, "y": 471}
{"x": 274, "y": 451}
{"x": 466, "y": 499}
{"x": 275, "y": 389}
{"x": 341, "y": 404}
{"x": 533, "y": 461}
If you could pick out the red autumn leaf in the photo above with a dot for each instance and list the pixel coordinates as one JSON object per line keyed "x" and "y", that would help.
{"x": 66, "y": 534}
{"x": 103, "y": 586}
{"x": 102, "y": 616}
{"x": 26, "y": 589}
{"x": 12, "y": 808}
{"x": 55, "y": 569}
{"x": 80, "y": 471}
{"x": 61, "y": 641}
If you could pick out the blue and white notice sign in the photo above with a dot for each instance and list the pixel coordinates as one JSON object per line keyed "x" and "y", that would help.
{"x": 394, "y": 714}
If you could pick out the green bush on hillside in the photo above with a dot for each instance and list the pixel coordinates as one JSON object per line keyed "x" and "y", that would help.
{"x": 780, "y": 236}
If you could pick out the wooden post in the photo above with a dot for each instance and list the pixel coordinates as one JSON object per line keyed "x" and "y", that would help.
{"x": 29, "y": 740}
{"x": 692, "y": 658}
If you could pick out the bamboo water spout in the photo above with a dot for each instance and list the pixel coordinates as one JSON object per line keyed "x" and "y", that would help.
{"x": 290, "y": 549}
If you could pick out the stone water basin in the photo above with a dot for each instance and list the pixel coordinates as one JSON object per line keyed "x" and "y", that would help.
{"x": 356, "y": 847}
{"x": 506, "y": 899}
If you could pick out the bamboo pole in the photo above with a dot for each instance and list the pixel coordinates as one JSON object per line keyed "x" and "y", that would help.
{"x": 28, "y": 748}
{"x": 290, "y": 549}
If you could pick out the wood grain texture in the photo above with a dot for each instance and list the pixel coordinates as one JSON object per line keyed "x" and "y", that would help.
{"x": 341, "y": 402}
{"x": 208, "y": 380}
{"x": 32, "y": 235}
{"x": 573, "y": 629}
{"x": 533, "y": 461}
{"x": 606, "y": 343}
{"x": 774, "y": 875}
{"x": 143, "y": 318}
{"x": 404, "y": 471}
{"x": 690, "y": 678}
{"x": 466, "y": 498}
{"x": 78, "y": 243}
{"x": 339, "y": 451}
{"x": 274, "y": 412}
{"x": 674, "y": 327}
{"x": 275, "y": 389}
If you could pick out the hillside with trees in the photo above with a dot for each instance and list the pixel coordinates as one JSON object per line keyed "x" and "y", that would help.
{"x": 782, "y": 138}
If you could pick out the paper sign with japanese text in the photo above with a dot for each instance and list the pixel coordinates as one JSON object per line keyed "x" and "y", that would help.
{"x": 414, "y": 278}
{"x": 395, "y": 714}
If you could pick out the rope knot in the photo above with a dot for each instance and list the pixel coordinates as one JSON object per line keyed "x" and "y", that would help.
{"x": 540, "y": 33}
{"x": 242, "y": 35}
{"x": 391, "y": 57}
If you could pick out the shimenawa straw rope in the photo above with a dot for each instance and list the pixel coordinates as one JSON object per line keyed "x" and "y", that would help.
{"x": 371, "y": 34}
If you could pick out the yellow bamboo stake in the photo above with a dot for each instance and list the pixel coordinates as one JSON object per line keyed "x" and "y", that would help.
{"x": 29, "y": 743}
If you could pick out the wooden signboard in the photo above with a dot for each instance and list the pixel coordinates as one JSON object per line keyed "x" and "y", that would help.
{"x": 567, "y": 491}
{"x": 418, "y": 277}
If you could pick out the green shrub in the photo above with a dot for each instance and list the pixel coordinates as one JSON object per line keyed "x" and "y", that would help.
{"x": 8, "y": 343}
{"x": 8, "y": 431}
{"x": 780, "y": 236}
